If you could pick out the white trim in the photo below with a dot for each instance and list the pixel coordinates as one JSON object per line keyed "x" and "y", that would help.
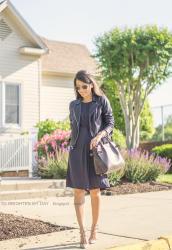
{"x": 10, "y": 125}
{"x": 3, "y": 104}
{"x": 3, "y": 5}
{"x": 39, "y": 87}
{"x": 31, "y": 51}
{"x": 29, "y": 30}
{"x": 55, "y": 73}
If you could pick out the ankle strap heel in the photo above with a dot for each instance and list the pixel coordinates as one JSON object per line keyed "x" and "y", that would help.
{"x": 83, "y": 240}
{"x": 92, "y": 239}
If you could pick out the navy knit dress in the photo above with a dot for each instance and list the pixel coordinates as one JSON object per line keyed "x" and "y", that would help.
{"x": 80, "y": 172}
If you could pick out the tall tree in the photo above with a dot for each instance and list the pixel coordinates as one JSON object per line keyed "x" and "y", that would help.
{"x": 146, "y": 117}
{"x": 136, "y": 61}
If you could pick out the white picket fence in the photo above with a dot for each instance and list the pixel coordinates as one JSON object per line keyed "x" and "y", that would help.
{"x": 17, "y": 154}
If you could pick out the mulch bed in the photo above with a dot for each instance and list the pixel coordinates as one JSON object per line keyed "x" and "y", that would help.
{"x": 131, "y": 188}
{"x": 12, "y": 226}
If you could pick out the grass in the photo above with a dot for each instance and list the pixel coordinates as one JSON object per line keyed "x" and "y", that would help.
{"x": 165, "y": 178}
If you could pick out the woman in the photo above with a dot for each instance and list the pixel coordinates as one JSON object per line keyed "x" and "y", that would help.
{"x": 91, "y": 119}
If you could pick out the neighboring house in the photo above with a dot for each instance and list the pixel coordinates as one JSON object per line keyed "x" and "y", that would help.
{"x": 36, "y": 74}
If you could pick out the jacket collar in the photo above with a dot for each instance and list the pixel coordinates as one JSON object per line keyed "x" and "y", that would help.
{"x": 92, "y": 109}
{"x": 78, "y": 101}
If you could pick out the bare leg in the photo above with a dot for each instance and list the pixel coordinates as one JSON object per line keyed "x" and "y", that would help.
{"x": 95, "y": 203}
{"x": 79, "y": 200}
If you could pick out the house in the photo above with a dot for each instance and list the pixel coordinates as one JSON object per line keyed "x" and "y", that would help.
{"x": 36, "y": 74}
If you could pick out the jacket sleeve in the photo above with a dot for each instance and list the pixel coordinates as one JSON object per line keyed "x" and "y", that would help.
{"x": 108, "y": 119}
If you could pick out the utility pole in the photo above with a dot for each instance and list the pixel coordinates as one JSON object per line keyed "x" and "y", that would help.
{"x": 162, "y": 119}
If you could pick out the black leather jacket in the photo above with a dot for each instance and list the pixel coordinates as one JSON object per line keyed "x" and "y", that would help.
{"x": 100, "y": 117}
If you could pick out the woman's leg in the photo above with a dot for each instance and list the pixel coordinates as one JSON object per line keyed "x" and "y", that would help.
{"x": 95, "y": 203}
{"x": 79, "y": 200}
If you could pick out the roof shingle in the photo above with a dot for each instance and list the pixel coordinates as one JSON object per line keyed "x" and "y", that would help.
{"x": 64, "y": 57}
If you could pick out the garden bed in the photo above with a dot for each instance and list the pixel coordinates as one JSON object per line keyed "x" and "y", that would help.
{"x": 12, "y": 226}
{"x": 129, "y": 188}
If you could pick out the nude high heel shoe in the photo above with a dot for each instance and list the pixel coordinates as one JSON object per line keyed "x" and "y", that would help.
{"x": 83, "y": 239}
{"x": 92, "y": 239}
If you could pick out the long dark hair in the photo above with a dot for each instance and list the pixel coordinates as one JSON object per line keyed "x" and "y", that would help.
{"x": 86, "y": 77}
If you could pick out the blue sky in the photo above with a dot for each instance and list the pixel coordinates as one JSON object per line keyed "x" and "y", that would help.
{"x": 81, "y": 21}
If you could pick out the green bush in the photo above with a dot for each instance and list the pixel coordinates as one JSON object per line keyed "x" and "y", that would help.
{"x": 53, "y": 167}
{"x": 142, "y": 167}
{"x": 64, "y": 125}
{"x": 115, "y": 177}
{"x": 119, "y": 138}
{"x": 163, "y": 151}
{"x": 48, "y": 126}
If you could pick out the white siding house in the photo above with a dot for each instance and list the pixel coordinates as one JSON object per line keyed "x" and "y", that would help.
{"x": 36, "y": 74}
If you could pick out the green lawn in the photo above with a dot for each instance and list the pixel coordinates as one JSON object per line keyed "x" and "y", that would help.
{"x": 165, "y": 178}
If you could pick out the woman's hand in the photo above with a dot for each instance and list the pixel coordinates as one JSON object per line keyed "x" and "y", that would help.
{"x": 95, "y": 141}
{"x": 97, "y": 138}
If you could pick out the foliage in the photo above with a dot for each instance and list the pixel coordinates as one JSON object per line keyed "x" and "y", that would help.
{"x": 167, "y": 130}
{"x": 54, "y": 166}
{"x": 64, "y": 125}
{"x": 115, "y": 177}
{"x": 142, "y": 167}
{"x": 136, "y": 61}
{"x": 48, "y": 126}
{"x": 118, "y": 138}
{"x": 163, "y": 150}
{"x": 53, "y": 151}
{"x": 165, "y": 178}
{"x": 146, "y": 122}
{"x": 112, "y": 93}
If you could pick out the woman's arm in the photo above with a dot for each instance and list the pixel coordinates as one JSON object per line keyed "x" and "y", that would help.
{"x": 108, "y": 118}
{"x": 108, "y": 121}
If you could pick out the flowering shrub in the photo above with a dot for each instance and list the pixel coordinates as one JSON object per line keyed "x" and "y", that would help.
{"x": 140, "y": 166}
{"x": 54, "y": 165}
{"x": 53, "y": 151}
{"x": 49, "y": 144}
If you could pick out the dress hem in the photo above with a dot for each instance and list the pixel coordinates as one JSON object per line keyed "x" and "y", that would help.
{"x": 87, "y": 189}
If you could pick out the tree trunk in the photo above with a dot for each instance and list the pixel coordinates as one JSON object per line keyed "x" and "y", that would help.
{"x": 132, "y": 133}
{"x": 131, "y": 117}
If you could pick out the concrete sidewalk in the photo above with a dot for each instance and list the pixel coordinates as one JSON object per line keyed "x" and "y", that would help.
{"x": 124, "y": 219}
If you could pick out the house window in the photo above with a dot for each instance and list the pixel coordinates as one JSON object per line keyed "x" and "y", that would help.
{"x": 12, "y": 103}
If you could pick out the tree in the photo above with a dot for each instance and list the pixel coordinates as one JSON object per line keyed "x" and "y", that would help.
{"x": 136, "y": 61}
{"x": 146, "y": 117}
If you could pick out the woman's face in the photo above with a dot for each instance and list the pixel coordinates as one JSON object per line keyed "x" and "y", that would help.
{"x": 84, "y": 89}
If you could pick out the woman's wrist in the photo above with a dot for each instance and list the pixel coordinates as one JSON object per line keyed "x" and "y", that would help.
{"x": 102, "y": 133}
